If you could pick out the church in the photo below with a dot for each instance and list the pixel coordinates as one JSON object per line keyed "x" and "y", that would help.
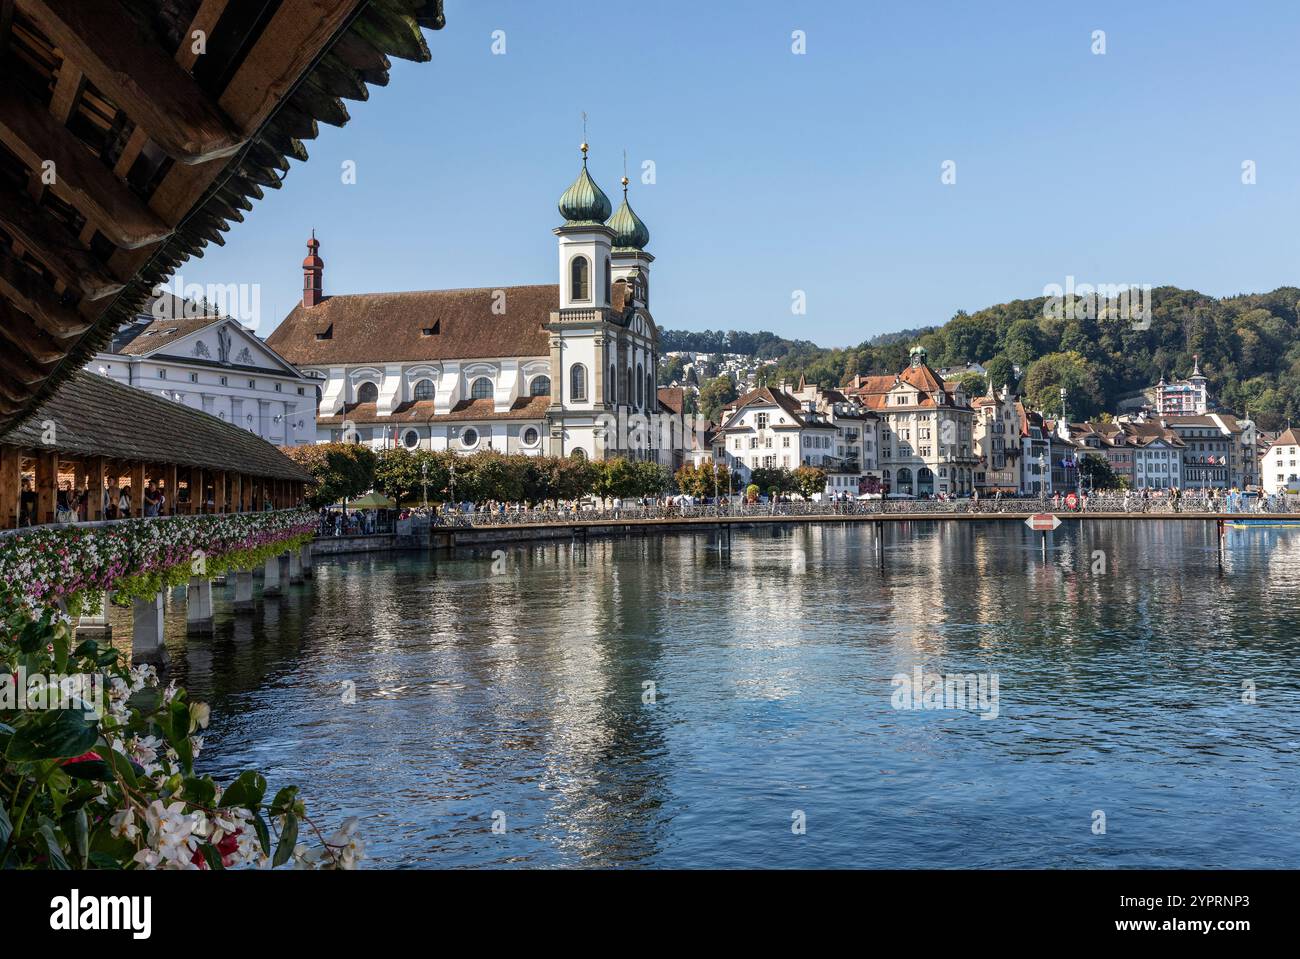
{"x": 556, "y": 369}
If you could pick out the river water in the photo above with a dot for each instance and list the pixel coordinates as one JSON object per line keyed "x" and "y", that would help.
{"x": 668, "y": 701}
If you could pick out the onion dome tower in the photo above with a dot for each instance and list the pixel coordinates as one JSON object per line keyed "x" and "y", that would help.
{"x": 584, "y": 243}
{"x": 631, "y": 262}
{"x": 630, "y": 232}
{"x": 584, "y": 202}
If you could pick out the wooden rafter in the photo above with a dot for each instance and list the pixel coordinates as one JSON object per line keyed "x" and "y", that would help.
{"x": 55, "y": 247}
{"x": 78, "y": 178}
{"x": 24, "y": 335}
{"x": 104, "y": 41}
{"x": 23, "y": 288}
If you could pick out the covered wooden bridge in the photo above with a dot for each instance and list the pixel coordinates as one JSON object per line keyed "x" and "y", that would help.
{"x": 96, "y": 438}
{"x": 134, "y": 132}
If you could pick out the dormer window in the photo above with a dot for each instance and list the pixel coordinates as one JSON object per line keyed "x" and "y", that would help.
{"x": 432, "y": 330}
{"x": 326, "y": 334}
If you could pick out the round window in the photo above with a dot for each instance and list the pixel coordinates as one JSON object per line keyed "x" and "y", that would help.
{"x": 411, "y": 440}
{"x": 469, "y": 437}
{"x": 530, "y": 437}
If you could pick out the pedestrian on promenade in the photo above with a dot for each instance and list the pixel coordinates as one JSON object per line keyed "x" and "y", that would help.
{"x": 124, "y": 503}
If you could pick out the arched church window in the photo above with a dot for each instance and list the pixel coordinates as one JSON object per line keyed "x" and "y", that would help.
{"x": 578, "y": 383}
{"x": 423, "y": 390}
{"x": 481, "y": 389}
{"x": 640, "y": 390}
{"x": 608, "y": 277}
{"x": 580, "y": 278}
{"x": 367, "y": 393}
{"x": 611, "y": 385}
{"x": 540, "y": 386}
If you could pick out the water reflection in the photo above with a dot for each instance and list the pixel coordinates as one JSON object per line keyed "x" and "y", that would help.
{"x": 522, "y": 691}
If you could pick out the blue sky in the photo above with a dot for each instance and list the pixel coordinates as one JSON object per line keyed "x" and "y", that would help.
{"x": 819, "y": 172}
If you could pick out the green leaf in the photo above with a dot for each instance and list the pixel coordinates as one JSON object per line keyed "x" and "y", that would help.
{"x": 53, "y": 734}
{"x": 146, "y": 700}
{"x": 201, "y": 791}
{"x": 263, "y": 834}
{"x": 126, "y": 767}
{"x": 81, "y": 834}
{"x": 247, "y": 790}
{"x": 52, "y": 844}
{"x": 288, "y": 839}
{"x": 6, "y": 827}
{"x": 211, "y": 856}
{"x": 6, "y": 729}
{"x": 284, "y": 800}
{"x": 103, "y": 860}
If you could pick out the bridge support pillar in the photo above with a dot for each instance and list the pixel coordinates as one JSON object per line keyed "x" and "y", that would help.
{"x": 147, "y": 632}
{"x": 94, "y": 623}
{"x": 198, "y": 605}
{"x": 306, "y": 561}
{"x": 295, "y": 566}
{"x": 244, "y": 601}
{"x": 271, "y": 577}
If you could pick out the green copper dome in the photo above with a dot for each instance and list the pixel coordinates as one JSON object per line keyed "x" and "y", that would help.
{"x": 629, "y": 232}
{"x": 584, "y": 202}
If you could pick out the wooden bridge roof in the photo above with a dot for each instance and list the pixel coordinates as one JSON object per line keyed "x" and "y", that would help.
{"x": 92, "y": 415}
{"x": 134, "y": 132}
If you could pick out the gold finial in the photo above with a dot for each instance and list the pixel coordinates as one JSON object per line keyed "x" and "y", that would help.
{"x": 584, "y": 138}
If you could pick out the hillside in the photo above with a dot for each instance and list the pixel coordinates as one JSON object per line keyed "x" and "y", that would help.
{"x": 1249, "y": 347}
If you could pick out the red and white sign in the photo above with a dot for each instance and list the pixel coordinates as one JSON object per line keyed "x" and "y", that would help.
{"x": 1043, "y": 522}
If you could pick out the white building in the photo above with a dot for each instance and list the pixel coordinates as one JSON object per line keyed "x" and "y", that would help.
{"x": 1279, "y": 470}
{"x": 927, "y": 430}
{"x": 561, "y": 369}
{"x": 1189, "y": 397}
{"x": 767, "y": 428}
{"x": 213, "y": 364}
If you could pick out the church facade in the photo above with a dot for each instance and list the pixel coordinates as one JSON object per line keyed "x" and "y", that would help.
{"x": 564, "y": 369}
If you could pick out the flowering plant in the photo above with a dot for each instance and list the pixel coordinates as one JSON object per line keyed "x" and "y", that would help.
{"x": 112, "y": 784}
{"x": 137, "y": 558}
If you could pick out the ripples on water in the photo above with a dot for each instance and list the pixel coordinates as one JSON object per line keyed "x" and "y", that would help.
{"x": 522, "y": 692}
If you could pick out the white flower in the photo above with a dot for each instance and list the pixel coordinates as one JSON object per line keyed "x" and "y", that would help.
{"x": 123, "y": 824}
{"x": 347, "y": 845}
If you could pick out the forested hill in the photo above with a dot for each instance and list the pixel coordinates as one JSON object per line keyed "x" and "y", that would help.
{"x": 1249, "y": 347}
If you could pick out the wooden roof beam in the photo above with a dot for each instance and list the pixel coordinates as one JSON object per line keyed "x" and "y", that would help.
{"x": 38, "y": 301}
{"x": 36, "y": 137}
{"x": 104, "y": 41}
{"x": 26, "y": 336}
{"x": 55, "y": 247}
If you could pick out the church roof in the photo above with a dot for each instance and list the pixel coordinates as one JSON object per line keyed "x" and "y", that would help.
{"x": 389, "y": 327}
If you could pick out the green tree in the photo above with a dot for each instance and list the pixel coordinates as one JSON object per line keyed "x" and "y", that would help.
{"x": 406, "y": 475}
{"x": 810, "y": 480}
{"x": 1096, "y": 472}
{"x": 714, "y": 397}
{"x": 973, "y": 384}
{"x": 775, "y": 481}
{"x": 651, "y": 479}
{"x": 699, "y": 481}
{"x": 1072, "y": 371}
{"x": 1000, "y": 372}
{"x": 342, "y": 471}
